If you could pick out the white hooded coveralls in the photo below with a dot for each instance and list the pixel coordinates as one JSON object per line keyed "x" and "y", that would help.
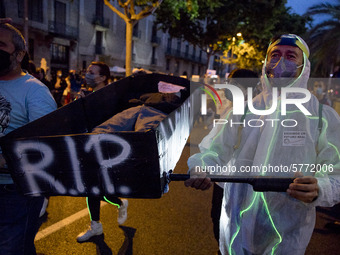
{"x": 273, "y": 222}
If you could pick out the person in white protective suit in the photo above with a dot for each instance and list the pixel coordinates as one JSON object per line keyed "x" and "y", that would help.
{"x": 275, "y": 222}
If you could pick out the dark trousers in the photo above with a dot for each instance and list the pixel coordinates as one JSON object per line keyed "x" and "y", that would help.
{"x": 93, "y": 204}
{"x": 19, "y": 221}
{"x": 216, "y": 205}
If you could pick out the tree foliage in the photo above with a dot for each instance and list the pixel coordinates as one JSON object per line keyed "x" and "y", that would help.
{"x": 244, "y": 55}
{"x": 324, "y": 38}
{"x": 215, "y": 22}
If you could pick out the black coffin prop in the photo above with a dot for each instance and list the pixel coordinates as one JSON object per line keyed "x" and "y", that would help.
{"x": 57, "y": 154}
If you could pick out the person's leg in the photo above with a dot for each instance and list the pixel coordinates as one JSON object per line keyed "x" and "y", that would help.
{"x": 19, "y": 221}
{"x": 93, "y": 204}
{"x": 33, "y": 222}
{"x": 122, "y": 205}
{"x": 113, "y": 200}
{"x": 96, "y": 228}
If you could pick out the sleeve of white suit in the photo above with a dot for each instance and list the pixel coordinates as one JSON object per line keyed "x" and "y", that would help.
{"x": 216, "y": 148}
{"x": 329, "y": 159}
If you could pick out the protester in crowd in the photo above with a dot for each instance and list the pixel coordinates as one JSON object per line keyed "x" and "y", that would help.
{"x": 42, "y": 77}
{"x": 96, "y": 77}
{"x": 23, "y": 99}
{"x": 319, "y": 90}
{"x": 275, "y": 222}
{"x": 76, "y": 84}
{"x": 60, "y": 84}
{"x": 32, "y": 69}
{"x": 66, "y": 98}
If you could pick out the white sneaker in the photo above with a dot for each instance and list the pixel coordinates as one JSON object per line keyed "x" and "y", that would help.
{"x": 122, "y": 212}
{"x": 95, "y": 229}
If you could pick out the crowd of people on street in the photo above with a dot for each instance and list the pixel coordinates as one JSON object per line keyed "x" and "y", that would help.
{"x": 245, "y": 222}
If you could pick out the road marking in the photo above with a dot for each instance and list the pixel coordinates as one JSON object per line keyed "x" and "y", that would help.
{"x": 63, "y": 223}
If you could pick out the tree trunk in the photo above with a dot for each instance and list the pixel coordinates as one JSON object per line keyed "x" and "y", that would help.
{"x": 208, "y": 59}
{"x": 128, "y": 56}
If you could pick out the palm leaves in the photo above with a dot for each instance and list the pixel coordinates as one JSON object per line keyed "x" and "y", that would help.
{"x": 324, "y": 38}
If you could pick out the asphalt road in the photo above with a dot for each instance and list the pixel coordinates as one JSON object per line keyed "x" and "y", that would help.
{"x": 177, "y": 223}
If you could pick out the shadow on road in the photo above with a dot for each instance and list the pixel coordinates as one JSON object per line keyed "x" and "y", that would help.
{"x": 127, "y": 246}
{"x": 101, "y": 247}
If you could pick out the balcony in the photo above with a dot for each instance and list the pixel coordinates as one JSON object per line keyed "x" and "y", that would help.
{"x": 185, "y": 55}
{"x": 174, "y": 53}
{"x": 63, "y": 30}
{"x": 101, "y": 21}
{"x": 99, "y": 50}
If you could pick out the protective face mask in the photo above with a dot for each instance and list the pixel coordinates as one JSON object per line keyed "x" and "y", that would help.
{"x": 319, "y": 91}
{"x": 90, "y": 80}
{"x": 283, "y": 70}
{"x": 5, "y": 62}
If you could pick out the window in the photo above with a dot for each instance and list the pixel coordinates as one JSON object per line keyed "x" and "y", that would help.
{"x": 60, "y": 12}
{"x": 153, "y": 58}
{"x": 99, "y": 8}
{"x": 136, "y": 32}
{"x": 187, "y": 50}
{"x": 59, "y": 23}
{"x": 154, "y": 30}
{"x": 59, "y": 53}
{"x": 154, "y": 38}
{"x": 98, "y": 18}
{"x": 177, "y": 67}
{"x": 99, "y": 42}
{"x": 178, "y": 44}
{"x": 35, "y": 10}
